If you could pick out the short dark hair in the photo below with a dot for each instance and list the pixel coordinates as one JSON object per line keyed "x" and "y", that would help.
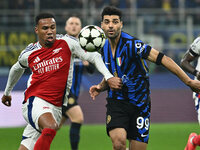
{"x": 111, "y": 10}
{"x": 43, "y": 16}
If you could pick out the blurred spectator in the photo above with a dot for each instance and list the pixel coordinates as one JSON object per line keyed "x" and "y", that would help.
{"x": 168, "y": 18}
{"x": 49, "y": 4}
{"x": 29, "y": 4}
{"x": 191, "y": 3}
{"x": 63, "y": 4}
{"x": 3, "y": 4}
{"x": 17, "y": 4}
{"x": 115, "y": 3}
{"x": 195, "y": 14}
{"x": 148, "y": 3}
{"x": 79, "y": 4}
{"x": 168, "y": 5}
{"x": 128, "y": 3}
{"x": 99, "y": 3}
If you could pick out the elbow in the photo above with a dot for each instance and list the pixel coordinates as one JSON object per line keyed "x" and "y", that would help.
{"x": 182, "y": 63}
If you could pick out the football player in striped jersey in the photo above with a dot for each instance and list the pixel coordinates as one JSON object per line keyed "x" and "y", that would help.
{"x": 128, "y": 109}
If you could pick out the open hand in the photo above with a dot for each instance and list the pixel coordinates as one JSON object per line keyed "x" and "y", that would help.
{"x": 94, "y": 91}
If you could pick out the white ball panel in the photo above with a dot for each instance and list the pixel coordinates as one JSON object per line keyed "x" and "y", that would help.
{"x": 97, "y": 41}
{"x": 83, "y": 41}
{"x": 95, "y": 33}
{"x": 85, "y": 33}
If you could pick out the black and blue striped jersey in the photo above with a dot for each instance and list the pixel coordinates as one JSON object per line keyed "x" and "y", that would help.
{"x": 129, "y": 64}
{"x": 77, "y": 77}
{"x": 76, "y": 80}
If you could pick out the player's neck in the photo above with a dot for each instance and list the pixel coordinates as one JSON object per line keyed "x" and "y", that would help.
{"x": 113, "y": 44}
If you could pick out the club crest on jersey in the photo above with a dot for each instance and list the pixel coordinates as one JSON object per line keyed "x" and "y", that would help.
{"x": 57, "y": 50}
{"x": 71, "y": 100}
{"x": 115, "y": 74}
{"x": 108, "y": 119}
{"x": 119, "y": 61}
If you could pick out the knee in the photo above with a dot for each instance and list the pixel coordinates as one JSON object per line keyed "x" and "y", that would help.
{"x": 54, "y": 126}
{"x": 119, "y": 143}
{"x": 80, "y": 120}
{"x": 77, "y": 120}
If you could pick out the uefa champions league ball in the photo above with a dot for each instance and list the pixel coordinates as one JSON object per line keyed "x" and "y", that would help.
{"x": 91, "y": 38}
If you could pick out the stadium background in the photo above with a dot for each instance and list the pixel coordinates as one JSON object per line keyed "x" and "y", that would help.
{"x": 168, "y": 25}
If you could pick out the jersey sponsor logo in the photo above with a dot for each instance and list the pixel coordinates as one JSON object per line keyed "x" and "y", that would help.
{"x": 48, "y": 65}
{"x": 57, "y": 50}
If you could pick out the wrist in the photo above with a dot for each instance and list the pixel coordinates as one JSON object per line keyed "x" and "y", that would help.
{"x": 108, "y": 77}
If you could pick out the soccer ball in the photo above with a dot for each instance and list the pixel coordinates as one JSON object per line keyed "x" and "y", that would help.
{"x": 91, "y": 38}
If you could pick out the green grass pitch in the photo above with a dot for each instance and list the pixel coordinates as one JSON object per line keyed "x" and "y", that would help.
{"x": 167, "y": 136}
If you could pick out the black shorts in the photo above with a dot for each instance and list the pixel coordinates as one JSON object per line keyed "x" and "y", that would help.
{"x": 135, "y": 120}
{"x": 72, "y": 101}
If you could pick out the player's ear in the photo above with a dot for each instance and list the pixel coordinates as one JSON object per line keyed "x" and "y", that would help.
{"x": 36, "y": 29}
{"x": 102, "y": 27}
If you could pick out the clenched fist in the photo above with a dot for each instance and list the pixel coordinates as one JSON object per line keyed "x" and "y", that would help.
{"x": 6, "y": 100}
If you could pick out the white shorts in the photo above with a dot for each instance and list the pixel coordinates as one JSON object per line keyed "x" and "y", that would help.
{"x": 32, "y": 110}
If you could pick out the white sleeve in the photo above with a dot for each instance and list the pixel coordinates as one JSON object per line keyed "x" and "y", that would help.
{"x": 15, "y": 74}
{"x": 93, "y": 57}
{"x": 195, "y": 46}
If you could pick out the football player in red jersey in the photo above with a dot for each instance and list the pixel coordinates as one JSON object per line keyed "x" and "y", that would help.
{"x": 51, "y": 62}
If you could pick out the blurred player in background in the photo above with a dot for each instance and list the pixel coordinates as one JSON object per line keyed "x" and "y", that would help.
{"x": 128, "y": 109}
{"x": 51, "y": 61}
{"x": 73, "y": 111}
{"x": 191, "y": 55}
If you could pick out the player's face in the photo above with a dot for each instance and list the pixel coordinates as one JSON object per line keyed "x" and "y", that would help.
{"x": 73, "y": 26}
{"x": 112, "y": 26}
{"x": 46, "y": 31}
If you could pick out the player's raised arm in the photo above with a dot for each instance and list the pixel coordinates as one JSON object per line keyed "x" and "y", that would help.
{"x": 95, "y": 58}
{"x": 159, "y": 58}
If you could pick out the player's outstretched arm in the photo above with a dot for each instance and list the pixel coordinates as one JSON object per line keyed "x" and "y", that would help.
{"x": 114, "y": 82}
{"x": 94, "y": 91}
{"x": 15, "y": 74}
{"x": 168, "y": 63}
{"x": 187, "y": 66}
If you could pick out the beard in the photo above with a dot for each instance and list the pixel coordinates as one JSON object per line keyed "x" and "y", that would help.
{"x": 49, "y": 43}
{"x": 112, "y": 36}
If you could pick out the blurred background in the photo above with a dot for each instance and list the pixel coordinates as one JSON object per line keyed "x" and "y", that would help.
{"x": 168, "y": 25}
